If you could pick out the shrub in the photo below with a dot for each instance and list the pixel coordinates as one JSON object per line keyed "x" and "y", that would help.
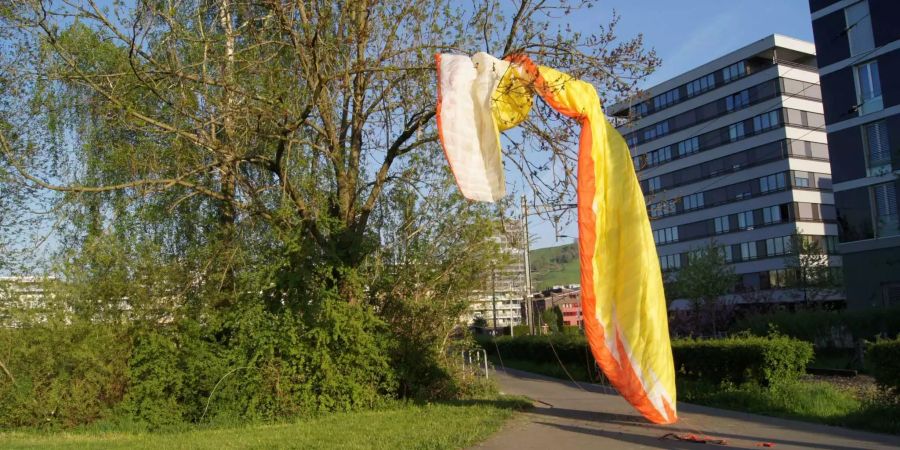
{"x": 521, "y": 330}
{"x": 571, "y": 349}
{"x": 884, "y": 358}
{"x": 65, "y": 374}
{"x": 826, "y": 328}
{"x": 572, "y": 331}
{"x": 766, "y": 360}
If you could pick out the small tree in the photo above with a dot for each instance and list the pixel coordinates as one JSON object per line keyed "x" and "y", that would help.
{"x": 552, "y": 317}
{"x": 809, "y": 270}
{"x": 704, "y": 279}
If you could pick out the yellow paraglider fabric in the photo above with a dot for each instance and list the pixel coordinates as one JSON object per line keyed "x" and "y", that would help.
{"x": 622, "y": 295}
{"x": 623, "y": 300}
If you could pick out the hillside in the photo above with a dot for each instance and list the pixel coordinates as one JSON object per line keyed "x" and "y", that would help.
{"x": 552, "y": 266}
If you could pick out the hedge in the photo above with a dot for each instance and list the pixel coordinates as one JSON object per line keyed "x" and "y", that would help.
{"x": 765, "y": 360}
{"x": 884, "y": 359}
{"x": 826, "y": 329}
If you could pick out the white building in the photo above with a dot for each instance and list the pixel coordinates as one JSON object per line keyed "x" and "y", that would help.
{"x": 735, "y": 151}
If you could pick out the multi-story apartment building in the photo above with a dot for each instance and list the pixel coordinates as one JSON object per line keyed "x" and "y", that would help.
{"x": 735, "y": 152}
{"x": 506, "y": 285}
{"x": 858, "y": 46}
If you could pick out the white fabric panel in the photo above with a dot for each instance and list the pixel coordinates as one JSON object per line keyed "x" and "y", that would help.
{"x": 468, "y": 132}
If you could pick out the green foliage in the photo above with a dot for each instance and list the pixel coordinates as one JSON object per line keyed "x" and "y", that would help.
{"x": 768, "y": 360}
{"x": 884, "y": 358}
{"x": 572, "y": 330}
{"x": 765, "y": 360}
{"x": 261, "y": 365}
{"x": 702, "y": 280}
{"x": 822, "y": 327}
{"x": 540, "y": 349}
{"x": 552, "y": 317}
{"x": 521, "y": 330}
{"x": 554, "y": 266}
{"x": 61, "y": 374}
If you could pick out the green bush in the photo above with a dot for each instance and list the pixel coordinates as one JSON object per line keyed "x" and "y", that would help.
{"x": 572, "y": 331}
{"x": 571, "y": 349}
{"x": 521, "y": 330}
{"x": 767, "y": 360}
{"x": 884, "y": 358}
{"x": 825, "y": 328}
{"x": 61, "y": 374}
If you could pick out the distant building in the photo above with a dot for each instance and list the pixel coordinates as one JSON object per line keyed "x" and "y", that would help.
{"x": 20, "y": 294}
{"x": 734, "y": 151}
{"x": 567, "y": 299}
{"x": 858, "y": 46}
{"x": 505, "y": 287}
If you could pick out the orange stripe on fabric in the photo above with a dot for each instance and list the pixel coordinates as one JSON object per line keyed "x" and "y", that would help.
{"x": 437, "y": 60}
{"x": 620, "y": 373}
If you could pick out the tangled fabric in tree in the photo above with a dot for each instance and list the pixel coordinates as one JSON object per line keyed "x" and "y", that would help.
{"x": 623, "y": 301}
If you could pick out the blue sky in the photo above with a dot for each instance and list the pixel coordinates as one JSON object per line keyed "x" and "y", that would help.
{"x": 686, "y": 34}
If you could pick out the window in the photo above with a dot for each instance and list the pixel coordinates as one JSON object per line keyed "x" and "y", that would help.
{"x": 639, "y": 110}
{"x": 653, "y": 184}
{"x": 662, "y": 155}
{"x": 886, "y": 219}
{"x": 701, "y": 84}
{"x": 670, "y": 262}
{"x": 859, "y": 28}
{"x": 778, "y": 246}
{"x": 878, "y": 154}
{"x": 656, "y": 131}
{"x": 662, "y": 209}
{"x": 631, "y": 139}
{"x": 748, "y": 251}
{"x": 665, "y": 100}
{"x": 734, "y": 72}
{"x": 772, "y": 214}
{"x": 737, "y": 101}
{"x": 778, "y": 278}
{"x": 726, "y": 254}
{"x": 771, "y": 183}
{"x": 868, "y": 88}
{"x": 722, "y": 224}
{"x": 665, "y": 235}
{"x": 801, "y": 179}
{"x": 688, "y": 147}
{"x": 693, "y": 201}
{"x": 736, "y": 131}
{"x": 765, "y": 121}
{"x": 745, "y": 220}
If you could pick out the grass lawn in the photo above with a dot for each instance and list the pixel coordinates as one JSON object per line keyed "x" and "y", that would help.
{"x": 807, "y": 400}
{"x": 433, "y": 426}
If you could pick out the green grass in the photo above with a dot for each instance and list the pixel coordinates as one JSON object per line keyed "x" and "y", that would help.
{"x": 811, "y": 401}
{"x": 432, "y": 426}
{"x": 553, "y": 266}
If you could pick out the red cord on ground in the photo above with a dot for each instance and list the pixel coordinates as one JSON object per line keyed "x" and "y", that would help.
{"x": 698, "y": 439}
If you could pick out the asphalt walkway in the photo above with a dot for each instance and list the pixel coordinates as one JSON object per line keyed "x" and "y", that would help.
{"x": 565, "y": 416}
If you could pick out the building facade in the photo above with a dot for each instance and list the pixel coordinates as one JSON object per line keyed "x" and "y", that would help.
{"x": 735, "y": 152}
{"x": 505, "y": 290}
{"x": 858, "y": 46}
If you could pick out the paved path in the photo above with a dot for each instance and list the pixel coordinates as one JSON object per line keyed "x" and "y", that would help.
{"x": 567, "y": 417}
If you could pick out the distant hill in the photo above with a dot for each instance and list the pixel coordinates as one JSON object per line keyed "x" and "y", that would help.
{"x": 555, "y": 266}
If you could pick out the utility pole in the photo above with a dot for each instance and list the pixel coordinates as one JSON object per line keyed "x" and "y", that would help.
{"x": 494, "y": 298}
{"x": 529, "y": 306}
{"x": 529, "y": 301}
